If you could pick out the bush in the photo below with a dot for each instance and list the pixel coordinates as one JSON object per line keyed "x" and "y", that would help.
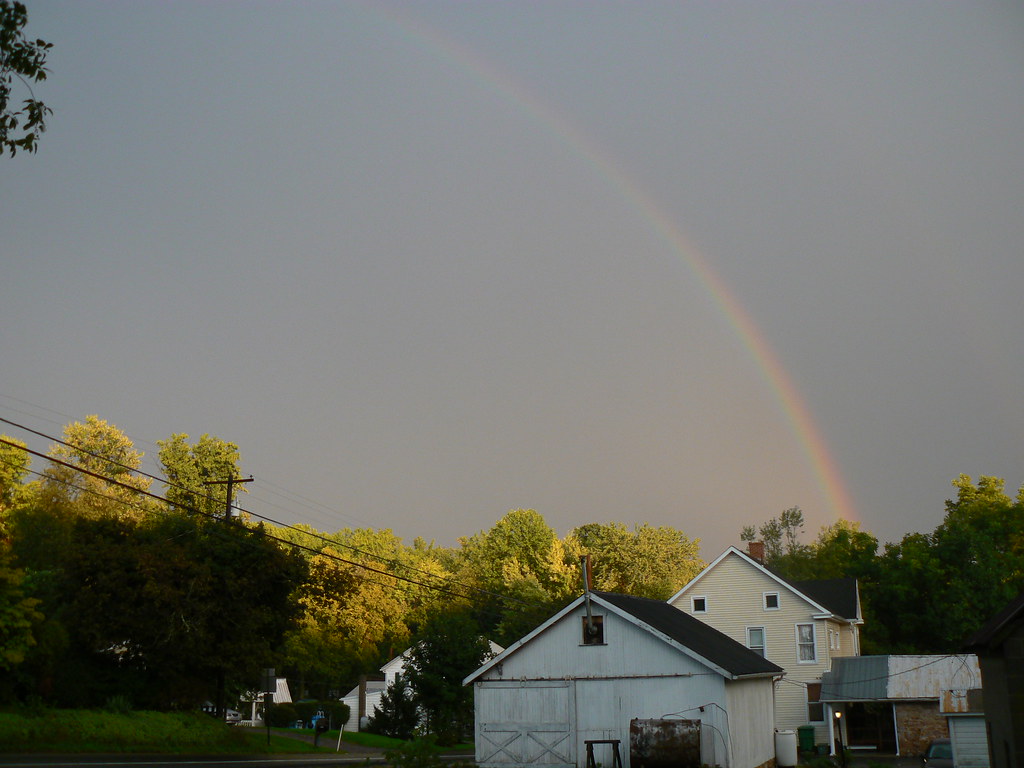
{"x": 305, "y": 711}
{"x": 337, "y": 711}
{"x": 281, "y": 715}
{"x": 418, "y": 753}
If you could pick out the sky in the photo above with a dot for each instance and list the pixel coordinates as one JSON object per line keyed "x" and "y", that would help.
{"x": 676, "y": 263}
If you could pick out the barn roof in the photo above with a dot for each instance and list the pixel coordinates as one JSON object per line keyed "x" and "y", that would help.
{"x": 689, "y": 635}
{"x": 703, "y": 639}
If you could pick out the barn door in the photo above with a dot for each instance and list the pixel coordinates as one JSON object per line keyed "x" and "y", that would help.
{"x": 527, "y": 723}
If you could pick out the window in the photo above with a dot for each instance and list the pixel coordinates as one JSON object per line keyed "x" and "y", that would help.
{"x": 700, "y": 604}
{"x": 806, "y": 653}
{"x": 771, "y": 601}
{"x": 815, "y": 709}
{"x": 593, "y": 633}
{"x": 755, "y": 640}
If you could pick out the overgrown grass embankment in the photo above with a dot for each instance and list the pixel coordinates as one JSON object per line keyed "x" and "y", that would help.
{"x": 80, "y": 730}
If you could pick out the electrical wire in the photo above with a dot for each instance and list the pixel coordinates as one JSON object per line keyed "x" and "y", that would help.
{"x": 313, "y": 535}
{"x": 271, "y": 536}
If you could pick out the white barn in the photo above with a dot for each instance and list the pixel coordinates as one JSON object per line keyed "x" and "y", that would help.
{"x": 540, "y": 701}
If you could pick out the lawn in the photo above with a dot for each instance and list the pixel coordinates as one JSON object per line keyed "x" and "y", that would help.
{"x": 78, "y": 730}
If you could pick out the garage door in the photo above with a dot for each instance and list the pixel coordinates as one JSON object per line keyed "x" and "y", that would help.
{"x": 525, "y": 723}
{"x": 970, "y": 741}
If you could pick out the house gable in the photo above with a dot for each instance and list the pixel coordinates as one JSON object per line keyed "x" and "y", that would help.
{"x": 638, "y": 635}
{"x": 745, "y": 571}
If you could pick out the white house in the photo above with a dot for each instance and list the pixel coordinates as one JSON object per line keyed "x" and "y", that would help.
{"x": 365, "y": 697}
{"x": 579, "y": 678}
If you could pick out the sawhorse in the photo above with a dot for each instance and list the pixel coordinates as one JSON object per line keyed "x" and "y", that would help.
{"x": 616, "y": 758}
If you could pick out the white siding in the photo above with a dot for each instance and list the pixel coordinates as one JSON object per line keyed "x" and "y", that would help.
{"x": 970, "y": 743}
{"x": 735, "y": 601}
{"x": 751, "y": 721}
{"x": 634, "y": 674}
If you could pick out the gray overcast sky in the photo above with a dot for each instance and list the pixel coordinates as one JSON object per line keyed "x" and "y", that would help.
{"x": 429, "y": 262}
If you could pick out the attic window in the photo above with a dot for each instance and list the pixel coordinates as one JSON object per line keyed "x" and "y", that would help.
{"x": 771, "y": 601}
{"x": 700, "y": 605}
{"x": 593, "y": 633}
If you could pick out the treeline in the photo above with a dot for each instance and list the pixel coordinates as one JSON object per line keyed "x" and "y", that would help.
{"x": 113, "y": 586}
{"x": 928, "y": 592}
{"x": 116, "y": 586}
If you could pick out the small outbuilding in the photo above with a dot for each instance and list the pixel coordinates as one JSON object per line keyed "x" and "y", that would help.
{"x": 1000, "y": 646}
{"x": 890, "y": 704}
{"x": 611, "y": 676}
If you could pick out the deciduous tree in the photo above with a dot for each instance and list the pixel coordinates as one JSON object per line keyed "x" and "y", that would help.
{"x": 22, "y": 61}
{"x": 93, "y": 472}
{"x": 188, "y": 467}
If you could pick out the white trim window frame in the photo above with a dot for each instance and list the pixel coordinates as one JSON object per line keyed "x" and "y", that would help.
{"x": 699, "y": 604}
{"x": 757, "y": 647}
{"x": 815, "y": 707}
{"x": 765, "y": 601}
{"x": 806, "y": 644}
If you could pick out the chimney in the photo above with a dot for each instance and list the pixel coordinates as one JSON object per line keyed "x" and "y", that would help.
{"x": 756, "y": 550}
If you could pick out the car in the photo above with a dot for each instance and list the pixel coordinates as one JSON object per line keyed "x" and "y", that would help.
{"x": 230, "y": 715}
{"x": 939, "y": 754}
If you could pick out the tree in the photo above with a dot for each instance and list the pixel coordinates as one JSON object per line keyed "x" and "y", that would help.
{"x": 18, "y": 614}
{"x": 647, "y": 561}
{"x": 523, "y": 565}
{"x": 345, "y": 623}
{"x": 449, "y": 647}
{"x": 93, "y": 472}
{"x": 397, "y": 714}
{"x": 14, "y": 463}
{"x": 188, "y": 467}
{"x": 780, "y": 535}
{"x": 25, "y": 60}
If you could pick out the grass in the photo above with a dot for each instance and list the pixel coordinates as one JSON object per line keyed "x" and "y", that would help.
{"x": 77, "y": 731}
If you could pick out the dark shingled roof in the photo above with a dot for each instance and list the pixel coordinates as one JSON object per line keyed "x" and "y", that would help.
{"x": 703, "y": 639}
{"x": 838, "y": 595}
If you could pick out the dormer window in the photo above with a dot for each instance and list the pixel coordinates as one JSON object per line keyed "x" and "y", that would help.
{"x": 699, "y": 604}
{"x": 771, "y": 601}
{"x": 593, "y": 630}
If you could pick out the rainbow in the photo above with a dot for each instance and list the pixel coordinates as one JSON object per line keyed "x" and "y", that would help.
{"x": 798, "y": 415}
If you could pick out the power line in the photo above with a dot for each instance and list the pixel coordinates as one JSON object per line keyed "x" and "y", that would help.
{"x": 336, "y": 558}
{"x": 279, "y": 524}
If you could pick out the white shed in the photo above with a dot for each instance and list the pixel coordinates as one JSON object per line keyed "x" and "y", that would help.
{"x": 540, "y": 701}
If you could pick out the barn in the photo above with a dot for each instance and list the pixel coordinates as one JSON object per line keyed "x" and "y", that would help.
{"x": 612, "y": 674}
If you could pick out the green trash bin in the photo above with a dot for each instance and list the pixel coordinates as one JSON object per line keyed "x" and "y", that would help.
{"x": 805, "y": 734}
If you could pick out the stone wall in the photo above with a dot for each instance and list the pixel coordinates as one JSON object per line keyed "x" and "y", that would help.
{"x": 917, "y": 723}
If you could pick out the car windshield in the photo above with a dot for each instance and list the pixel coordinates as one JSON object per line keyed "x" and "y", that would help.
{"x": 941, "y": 751}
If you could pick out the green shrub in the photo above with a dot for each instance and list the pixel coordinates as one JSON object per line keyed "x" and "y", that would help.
{"x": 337, "y": 711}
{"x": 418, "y": 753}
{"x": 281, "y": 715}
{"x": 305, "y": 711}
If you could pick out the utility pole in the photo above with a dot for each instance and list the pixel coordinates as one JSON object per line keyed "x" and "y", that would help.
{"x": 230, "y": 483}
